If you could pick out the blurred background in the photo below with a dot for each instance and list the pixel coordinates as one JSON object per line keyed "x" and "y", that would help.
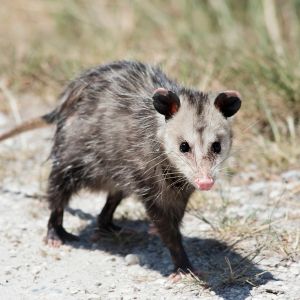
{"x": 250, "y": 46}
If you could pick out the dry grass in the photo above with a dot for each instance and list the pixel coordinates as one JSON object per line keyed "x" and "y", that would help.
{"x": 276, "y": 235}
{"x": 251, "y": 46}
{"x": 229, "y": 272}
{"x": 256, "y": 232}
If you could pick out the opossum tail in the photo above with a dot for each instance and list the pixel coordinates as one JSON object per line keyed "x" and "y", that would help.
{"x": 39, "y": 122}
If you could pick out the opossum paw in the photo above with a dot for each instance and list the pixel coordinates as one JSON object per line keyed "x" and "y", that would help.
{"x": 180, "y": 274}
{"x": 57, "y": 236}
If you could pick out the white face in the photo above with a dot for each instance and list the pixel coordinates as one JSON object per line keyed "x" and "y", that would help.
{"x": 197, "y": 144}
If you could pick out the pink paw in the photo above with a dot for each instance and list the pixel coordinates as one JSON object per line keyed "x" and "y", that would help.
{"x": 179, "y": 275}
{"x": 54, "y": 243}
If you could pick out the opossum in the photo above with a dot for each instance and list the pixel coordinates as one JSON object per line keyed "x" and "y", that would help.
{"x": 126, "y": 128}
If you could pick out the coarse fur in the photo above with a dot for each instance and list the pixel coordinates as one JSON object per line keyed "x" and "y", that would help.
{"x": 113, "y": 134}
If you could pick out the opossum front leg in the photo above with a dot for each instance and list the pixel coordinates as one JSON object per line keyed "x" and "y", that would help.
{"x": 167, "y": 226}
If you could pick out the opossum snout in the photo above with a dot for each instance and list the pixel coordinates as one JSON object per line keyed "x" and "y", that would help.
{"x": 204, "y": 184}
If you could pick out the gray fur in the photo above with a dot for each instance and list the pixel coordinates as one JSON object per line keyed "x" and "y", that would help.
{"x": 109, "y": 136}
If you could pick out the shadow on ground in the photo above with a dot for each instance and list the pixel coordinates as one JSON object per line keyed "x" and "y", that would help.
{"x": 229, "y": 274}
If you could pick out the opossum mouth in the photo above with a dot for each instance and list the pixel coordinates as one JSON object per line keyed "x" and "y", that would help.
{"x": 204, "y": 184}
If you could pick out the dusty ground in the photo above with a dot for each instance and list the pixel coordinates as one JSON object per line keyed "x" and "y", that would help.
{"x": 244, "y": 236}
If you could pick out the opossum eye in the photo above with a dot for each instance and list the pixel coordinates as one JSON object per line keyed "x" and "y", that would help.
{"x": 184, "y": 147}
{"x": 216, "y": 147}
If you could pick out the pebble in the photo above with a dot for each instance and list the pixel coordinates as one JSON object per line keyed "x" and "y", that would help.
{"x": 292, "y": 175}
{"x": 168, "y": 286}
{"x": 74, "y": 291}
{"x": 110, "y": 258}
{"x": 132, "y": 259}
{"x": 257, "y": 188}
{"x": 36, "y": 270}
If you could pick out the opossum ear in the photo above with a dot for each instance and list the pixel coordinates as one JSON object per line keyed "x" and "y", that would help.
{"x": 166, "y": 102}
{"x": 228, "y": 103}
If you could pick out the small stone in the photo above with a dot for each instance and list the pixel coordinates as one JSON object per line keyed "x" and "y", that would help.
{"x": 132, "y": 259}
{"x": 292, "y": 175}
{"x": 112, "y": 288}
{"x": 168, "y": 286}
{"x": 74, "y": 291}
{"x": 36, "y": 270}
{"x": 110, "y": 258}
{"x": 258, "y": 188}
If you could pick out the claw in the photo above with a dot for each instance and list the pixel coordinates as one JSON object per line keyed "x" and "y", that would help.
{"x": 57, "y": 236}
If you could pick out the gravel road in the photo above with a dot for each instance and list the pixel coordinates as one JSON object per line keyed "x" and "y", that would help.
{"x": 244, "y": 235}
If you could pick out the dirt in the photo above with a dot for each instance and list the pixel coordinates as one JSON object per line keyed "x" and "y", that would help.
{"x": 244, "y": 236}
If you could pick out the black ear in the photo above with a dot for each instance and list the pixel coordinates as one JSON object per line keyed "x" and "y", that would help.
{"x": 228, "y": 103}
{"x": 166, "y": 102}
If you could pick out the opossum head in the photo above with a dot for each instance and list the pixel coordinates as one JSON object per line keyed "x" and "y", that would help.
{"x": 196, "y": 132}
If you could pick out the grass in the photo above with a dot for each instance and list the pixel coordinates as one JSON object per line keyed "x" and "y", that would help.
{"x": 250, "y": 46}
{"x": 228, "y": 275}
{"x": 238, "y": 227}
{"x": 257, "y": 232}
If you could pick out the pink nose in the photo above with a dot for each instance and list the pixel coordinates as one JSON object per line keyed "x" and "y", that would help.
{"x": 204, "y": 184}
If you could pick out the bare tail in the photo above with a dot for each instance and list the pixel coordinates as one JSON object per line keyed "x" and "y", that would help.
{"x": 35, "y": 123}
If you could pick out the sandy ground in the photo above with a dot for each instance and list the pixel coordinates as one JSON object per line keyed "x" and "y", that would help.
{"x": 247, "y": 246}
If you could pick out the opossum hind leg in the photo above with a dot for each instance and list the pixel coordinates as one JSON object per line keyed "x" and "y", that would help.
{"x": 63, "y": 182}
{"x": 56, "y": 234}
{"x": 105, "y": 223}
{"x": 104, "y": 220}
